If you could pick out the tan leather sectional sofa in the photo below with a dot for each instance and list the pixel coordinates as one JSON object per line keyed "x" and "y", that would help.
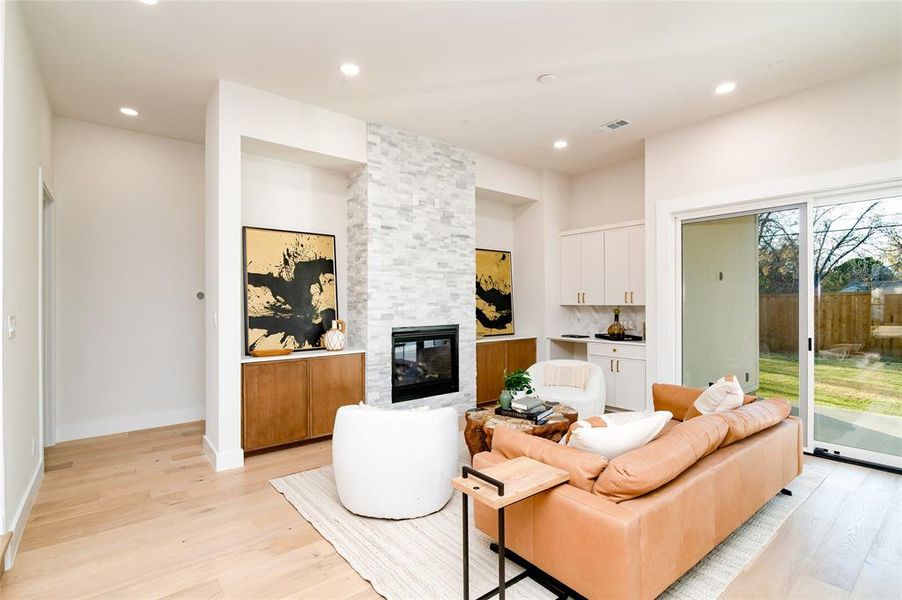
{"x": 630, "y": 527}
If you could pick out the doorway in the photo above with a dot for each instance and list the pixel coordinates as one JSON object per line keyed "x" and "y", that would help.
{"x": 48, "y": 321}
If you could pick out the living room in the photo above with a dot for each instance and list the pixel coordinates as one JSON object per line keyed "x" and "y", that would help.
{"x": 274, "y": 272}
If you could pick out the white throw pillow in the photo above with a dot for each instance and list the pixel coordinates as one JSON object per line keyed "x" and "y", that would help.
{"x": 725, "y": 394}
{"x": 625, "y": 434}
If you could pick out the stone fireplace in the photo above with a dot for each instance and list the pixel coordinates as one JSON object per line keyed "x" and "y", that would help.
{"x": 411, "y": 260}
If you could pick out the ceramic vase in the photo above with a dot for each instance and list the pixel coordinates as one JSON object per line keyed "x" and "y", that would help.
{"x": 335, "y": 338}
{"x": 505, "y": 399}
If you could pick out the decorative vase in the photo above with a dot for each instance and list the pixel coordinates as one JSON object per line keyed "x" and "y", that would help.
{"x": 335, "y": 338}
{"x": 505, "y": 399}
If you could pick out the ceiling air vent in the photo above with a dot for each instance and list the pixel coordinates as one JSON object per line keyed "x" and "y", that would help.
{"x": 614, "y": 125}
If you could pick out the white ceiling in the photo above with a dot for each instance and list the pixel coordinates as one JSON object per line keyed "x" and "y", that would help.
{"x": 462, "y": 72}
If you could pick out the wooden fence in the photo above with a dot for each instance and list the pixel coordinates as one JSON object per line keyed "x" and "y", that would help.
{"x": 840, "y": 318}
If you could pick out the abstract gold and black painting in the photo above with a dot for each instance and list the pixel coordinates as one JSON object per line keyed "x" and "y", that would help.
{"x": 494, "y": 293}
{"x": 290, "y": 290}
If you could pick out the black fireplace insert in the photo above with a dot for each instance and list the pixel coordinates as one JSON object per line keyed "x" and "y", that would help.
{"x": 424, "y": 362}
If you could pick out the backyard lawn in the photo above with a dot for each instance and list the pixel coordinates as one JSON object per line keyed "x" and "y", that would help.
{"x": 850, "y": 383}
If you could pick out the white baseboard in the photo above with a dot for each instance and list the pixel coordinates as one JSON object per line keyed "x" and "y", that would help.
{"x": 23, "y": 510}
{"x": 223, "y": 460}
{"x": 79, "y": 431}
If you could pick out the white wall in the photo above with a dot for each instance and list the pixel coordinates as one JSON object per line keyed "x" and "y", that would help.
{"x": 26, "y": 148}
{"x": 283, "y": 195}
{"x": 129, "y": 225}
{"x": 840, "y": 133}
{"x": 494, "y": 224}
{"x": 612, "y": 194}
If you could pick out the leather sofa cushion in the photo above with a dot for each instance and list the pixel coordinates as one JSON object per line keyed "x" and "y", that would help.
{"x": 647, "y": 468}
{"x": 752, "y": 418}
{"x": 680, "y": 400}
{"x": 583, "y": 467}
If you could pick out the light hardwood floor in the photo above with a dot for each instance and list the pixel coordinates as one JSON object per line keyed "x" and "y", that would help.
{"x": 143, "y": 515}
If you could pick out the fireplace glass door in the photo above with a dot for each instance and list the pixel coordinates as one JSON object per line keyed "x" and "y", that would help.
{"x": 424, "y": 362}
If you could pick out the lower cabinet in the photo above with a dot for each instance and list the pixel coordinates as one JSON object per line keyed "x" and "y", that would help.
{"x": 624, "y": 374}
{"x": 286, "y": 401}
{"x": 494, "y": 358}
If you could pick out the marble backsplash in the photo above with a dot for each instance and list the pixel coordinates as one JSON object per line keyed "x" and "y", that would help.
{"x": 596, "y": 319}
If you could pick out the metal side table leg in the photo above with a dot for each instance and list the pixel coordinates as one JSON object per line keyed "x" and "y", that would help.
{"x": 501, "y": 553}
{"x": 466, "y": 544}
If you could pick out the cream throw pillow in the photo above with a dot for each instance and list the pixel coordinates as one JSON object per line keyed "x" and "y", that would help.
{"x": 725, "y": 394}
{"x": 624, "y": 432}
{"x": 566, "y": 375}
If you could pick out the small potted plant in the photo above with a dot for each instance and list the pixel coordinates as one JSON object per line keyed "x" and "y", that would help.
{"x": 516, "y": 385}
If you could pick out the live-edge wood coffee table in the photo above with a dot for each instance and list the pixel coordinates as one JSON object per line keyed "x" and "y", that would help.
{"x": 481, "y": 422}
{"x": 498, "y": 487}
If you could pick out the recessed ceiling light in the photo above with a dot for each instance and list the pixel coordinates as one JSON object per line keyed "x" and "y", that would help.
{"x": 350, "y": 70}
{"x": 725, "y": 88}
{"x": 547, "y": 78}
{"x": 151, "y": 2}
{"x": 560, "y": 144}
{"x": 128, "y": 111}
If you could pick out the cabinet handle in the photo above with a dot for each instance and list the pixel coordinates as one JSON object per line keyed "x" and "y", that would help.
{"x": 631, "y": 298}
{"x": 618, "y": 366}
{"x": 612, "y": 365}
{"x": 625, "y": 301}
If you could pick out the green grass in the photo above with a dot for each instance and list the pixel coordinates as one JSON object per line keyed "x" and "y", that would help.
{"x": 851, "y": 383}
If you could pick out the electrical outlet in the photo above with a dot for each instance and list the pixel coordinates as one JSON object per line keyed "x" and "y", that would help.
{"x": 11, "y": 326}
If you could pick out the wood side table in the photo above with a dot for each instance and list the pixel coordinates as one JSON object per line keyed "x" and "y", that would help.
{"x": 497, "y": 487}
{"x": 480, "y": 426}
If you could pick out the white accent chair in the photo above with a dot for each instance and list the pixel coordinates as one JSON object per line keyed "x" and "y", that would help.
{"x": 394, "y": 464}
{"x": 588, "y": 402}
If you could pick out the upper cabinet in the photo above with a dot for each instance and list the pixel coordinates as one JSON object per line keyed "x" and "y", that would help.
{"x": 603, "y": 267}
{"x": 582, "y": 268}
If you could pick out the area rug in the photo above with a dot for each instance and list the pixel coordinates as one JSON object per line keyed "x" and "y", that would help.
{"x": 421, "y": 558}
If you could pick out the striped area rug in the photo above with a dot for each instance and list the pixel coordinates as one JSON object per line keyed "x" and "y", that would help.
{"x": 421, "y": 558}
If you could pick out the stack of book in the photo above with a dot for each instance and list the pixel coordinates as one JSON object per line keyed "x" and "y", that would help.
{"x": 530, "y": 408}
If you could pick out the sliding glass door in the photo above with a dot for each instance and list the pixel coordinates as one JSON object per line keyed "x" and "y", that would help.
{"x": 857, "y": 276}
{"x": 740, "y": 302}
{"x": 803, "y": 302}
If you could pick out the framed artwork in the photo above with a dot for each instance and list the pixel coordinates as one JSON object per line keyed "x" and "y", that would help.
{"x": 289, "y": 289}
{"x": 494, "y": 293}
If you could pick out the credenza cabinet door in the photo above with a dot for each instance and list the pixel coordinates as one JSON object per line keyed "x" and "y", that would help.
{"x": 593, "y": 268}
{"x": 617, "y": 267}
{"x": 571, "y": 270}
{"x": 491, "y": 360}
{"x": 274, "y": 403}
{"x": 334, "y": 382}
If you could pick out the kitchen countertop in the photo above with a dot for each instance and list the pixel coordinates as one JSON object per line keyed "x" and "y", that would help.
{"x": 591, "y": 340}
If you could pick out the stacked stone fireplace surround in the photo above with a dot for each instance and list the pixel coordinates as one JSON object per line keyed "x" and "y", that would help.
{"x": 411, "y": 254}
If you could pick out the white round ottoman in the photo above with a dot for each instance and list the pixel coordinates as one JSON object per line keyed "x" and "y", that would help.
{"x": 394, "y": 464}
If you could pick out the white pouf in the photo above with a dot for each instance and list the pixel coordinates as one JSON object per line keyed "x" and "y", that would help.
{"x": 394, "y": 464}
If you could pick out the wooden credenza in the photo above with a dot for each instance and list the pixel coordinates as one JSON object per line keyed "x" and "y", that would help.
{"x": 291, "y": 400}
{"x": 494, "y": 358}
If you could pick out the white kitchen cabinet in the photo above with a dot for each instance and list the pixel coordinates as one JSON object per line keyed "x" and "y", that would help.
{"x": 571, "y": 270}
{"x": 623, "y": 366}
{"x": 593, "y": 272}
{"x": 582, "y": 269}
{"x": 624, "y": 254}
{"x": 603, "y": 267}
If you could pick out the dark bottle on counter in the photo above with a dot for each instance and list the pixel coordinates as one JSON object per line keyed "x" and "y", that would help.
{"x": 616, "y": 330}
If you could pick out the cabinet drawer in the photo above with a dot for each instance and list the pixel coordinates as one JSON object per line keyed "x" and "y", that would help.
{"x": 614, "y": 350}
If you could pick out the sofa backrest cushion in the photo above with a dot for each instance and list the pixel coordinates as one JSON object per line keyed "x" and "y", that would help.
{"x": 752, "y": 418}
{"x": 679, "y": 400}
{"x": 583, "y": 467}
{"x": 647, "y": 468}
